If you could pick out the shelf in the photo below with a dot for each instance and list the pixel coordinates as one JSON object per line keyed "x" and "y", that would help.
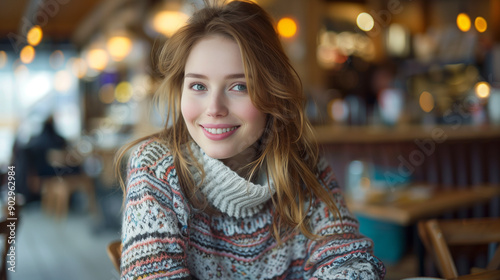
{"x": 330, "y": 134}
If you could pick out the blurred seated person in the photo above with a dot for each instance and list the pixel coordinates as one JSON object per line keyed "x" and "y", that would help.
{"x": 40, "y": 152}
{"x": 40, "y": 145}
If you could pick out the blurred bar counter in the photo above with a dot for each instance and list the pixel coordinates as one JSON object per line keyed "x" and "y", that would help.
{"x": 451, "y": 158}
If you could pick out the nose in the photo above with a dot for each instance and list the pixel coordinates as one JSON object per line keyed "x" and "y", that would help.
{"x": 216, "y": 106}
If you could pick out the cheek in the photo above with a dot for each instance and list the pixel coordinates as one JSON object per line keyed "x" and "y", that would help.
{"x": 254, "y": 116}
{"x": 189, "y": 109}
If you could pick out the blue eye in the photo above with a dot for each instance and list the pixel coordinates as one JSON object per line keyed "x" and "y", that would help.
{"x": 240, "y": 87}
{"x": 198, "y": 87}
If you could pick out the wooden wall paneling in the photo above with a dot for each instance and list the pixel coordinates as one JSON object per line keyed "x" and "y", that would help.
{"x": 461, "y": 173}
{"x": 477, "y": 165}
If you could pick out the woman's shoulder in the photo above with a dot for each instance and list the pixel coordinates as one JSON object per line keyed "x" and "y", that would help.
{"x": 151, "y": 170}
{"x": 152, "y": 183}
{"x": 152, "y": 156}
{"x": 149, "y": 152}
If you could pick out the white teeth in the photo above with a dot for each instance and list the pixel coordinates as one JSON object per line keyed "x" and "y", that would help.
{"x": 219, "y": 130}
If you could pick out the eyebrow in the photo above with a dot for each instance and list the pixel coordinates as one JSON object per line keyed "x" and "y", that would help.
{"x": 232, "y": 76}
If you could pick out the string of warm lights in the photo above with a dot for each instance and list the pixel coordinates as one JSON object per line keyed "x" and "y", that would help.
{"x": 464, "y": 23}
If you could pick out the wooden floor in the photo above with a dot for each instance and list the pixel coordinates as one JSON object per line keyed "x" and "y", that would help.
{"x": 51, "y": 249}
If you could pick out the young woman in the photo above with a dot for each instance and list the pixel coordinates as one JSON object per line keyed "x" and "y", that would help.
{"x": 233, "y": 188}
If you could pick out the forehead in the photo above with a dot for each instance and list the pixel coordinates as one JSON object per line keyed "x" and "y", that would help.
{"x": 214, "y": 54}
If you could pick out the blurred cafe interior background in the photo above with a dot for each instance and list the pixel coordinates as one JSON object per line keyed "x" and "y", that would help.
{"x": 404, "y": 96}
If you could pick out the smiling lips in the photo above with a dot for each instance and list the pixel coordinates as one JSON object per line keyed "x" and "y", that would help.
{"x": 218, "y": 132}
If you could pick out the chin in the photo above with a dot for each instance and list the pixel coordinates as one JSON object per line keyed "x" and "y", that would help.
{"x": 216, "y": 153}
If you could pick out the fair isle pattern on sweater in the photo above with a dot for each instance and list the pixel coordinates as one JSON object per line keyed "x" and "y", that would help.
{"x": 164, "y": 238}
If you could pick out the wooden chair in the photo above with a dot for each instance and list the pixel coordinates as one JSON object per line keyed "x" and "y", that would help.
{"x": 114, "y": 250}
{"x": 438, "y": 235}
{"x": 57, "y": 191}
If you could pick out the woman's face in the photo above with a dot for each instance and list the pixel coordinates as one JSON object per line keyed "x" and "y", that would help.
{"x": 215, "y": 103}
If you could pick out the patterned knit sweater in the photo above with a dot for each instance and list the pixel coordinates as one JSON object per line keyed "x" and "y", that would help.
{"x": 164, "y": 237}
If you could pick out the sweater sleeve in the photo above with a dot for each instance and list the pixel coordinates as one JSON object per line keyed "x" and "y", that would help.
{"x": 154, "y": 225}
{"x": 344, "y": 253}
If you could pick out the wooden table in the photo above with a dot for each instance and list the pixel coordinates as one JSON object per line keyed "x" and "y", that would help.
{"x": 408, "y": 212}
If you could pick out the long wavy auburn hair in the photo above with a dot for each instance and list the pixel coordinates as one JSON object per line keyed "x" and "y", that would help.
{"x": 288, "y": 149}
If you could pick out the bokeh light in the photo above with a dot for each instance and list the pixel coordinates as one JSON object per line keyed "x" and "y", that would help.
{"x": 287, "y": 27}
{"x": 346, "y": 42}
{"x": 141, "y": 86}
{"x": 334, "y": 49}
{"x": 426, "y": 101}
{"x": 398, "y": 40}
{"x": 35, "y": 35}
{"x": 482, "y": 89}
{"x": 97, "y": 59}
{"x": 463, "y": 22}
{"x": 338, "y": 110}
{"x": 365, "y": 21}
{"x": 119, "y": 47}
{"x": 481, "y": 24}
{"x": 123, "y": 92}
{"x": 78, "y": 67}
{"x": 27, "y": 54}
{"x": 56, "y": 59}
{"x": 168, "y": 22}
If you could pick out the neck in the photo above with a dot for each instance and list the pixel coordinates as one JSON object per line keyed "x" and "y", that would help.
{"x": 228, "y": 191}
{"x": 240, "y": 162}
